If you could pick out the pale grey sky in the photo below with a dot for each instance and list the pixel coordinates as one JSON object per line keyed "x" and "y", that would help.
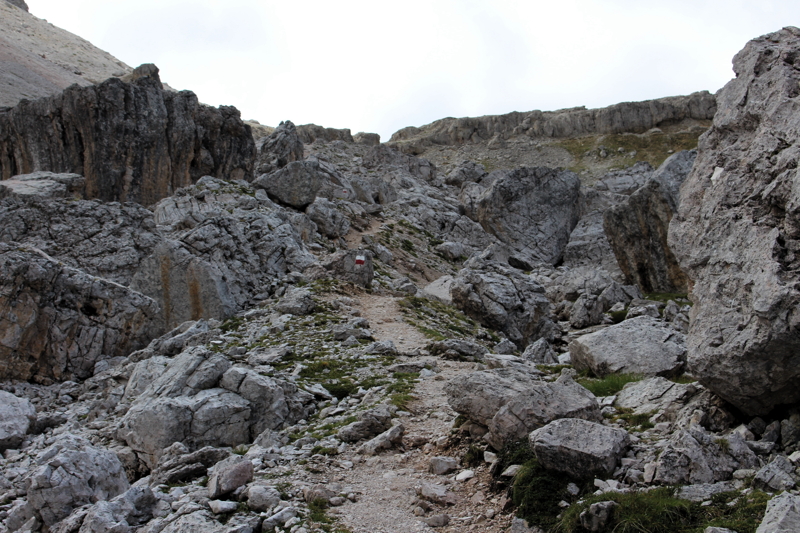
{"x": 379, "y": 66}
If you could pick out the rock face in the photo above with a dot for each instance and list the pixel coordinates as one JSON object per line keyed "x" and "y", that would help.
{"x": 44, "y": 185}
{"x": 282, "y": 147}
{"x": 16, "y": 416}
{"x": 57, "y": 322}
{"x": 131, "y": 141}
{"x": 782, "y": 516}
{"x": 502, "y": 298}
{"x": 640, "y": 345}
{"x": 532, "y": 210}
{"x": 637, "y": 228}
{"x": 634, "y": 117}
{"x": 480, "y": 395}
{"x": 68, "y": 478}
{"x": 579, "y": 447}
{"x": 737, "y": 233}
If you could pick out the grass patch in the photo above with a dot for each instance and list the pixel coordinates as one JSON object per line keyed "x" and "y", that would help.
{"x": 659, "y": 511}
{"x": 683, "y": 379}
{"x": 232, "y": 324}
{"x": 618, "y": 316}
{"x": 439, "y": 321}
{"x": 609, "y": 385}
{"x": 639, "y": 421}
{"x": 473, "y": 456}
{"x": 537, "y": 492}
{"x": 341, "y": 389}
{"x": 665, "y": 297}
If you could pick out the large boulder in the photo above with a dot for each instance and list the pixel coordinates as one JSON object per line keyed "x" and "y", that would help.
{"x": 502, "y": 298}
{"x": 539, "y": 405}
{"x": 16, "y": 416}
{"x": 579, "y": 447}
{"x": 533, "y": 210}
{"x": 57, "y": 322}
{"x": 737, "y": 231}
{"x": 131, "y": 141}
{"x": 72, "y": 473}
{"x": 295, "y": 185}
{"x": 480, "y": 395}
{"x": 44, "y": 185}
{"x": 637, "y": 228}
{"x": 641, "y": 345}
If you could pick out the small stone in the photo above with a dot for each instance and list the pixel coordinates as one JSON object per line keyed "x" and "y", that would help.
{"x": 511, "y": 471}
{"x": 442, "y": 465}
{"x": 219, "y": 506}
{"x": 465, "y": 475}
{"x": 439, "y": 520}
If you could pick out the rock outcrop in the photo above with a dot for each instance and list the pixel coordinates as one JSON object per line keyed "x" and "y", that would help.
{"x": 637, "y": 228}
{"x": 636, "y": 117}
{"x": 737, "y": 234}
{"x": 131, "y": 141}
{"x": 57, "y": 322}
{"x": 16, "y": 416}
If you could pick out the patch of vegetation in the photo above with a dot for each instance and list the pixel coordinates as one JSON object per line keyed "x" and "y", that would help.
{"x": 341, "y": 389}
{"x": 664, "y": 297}
{"x": 439, "y": 321}
{"x": 317, "y": 512}
{"x": 683, "y": 379}
{"x": 609, "y": 385}
{"x": 321, "y": 450}
{"x": 639, "y": 421}
{"x": 241, "y": 449}
{"x": 232, "y": 324}
{"x": 407, "y": 245}
{"x": 537, "y": 493}
{"x": 659, "y": 511}
{"x": 459, "y": 421}
{"x": 473, "y": 456}
{"x": 552, "y": 369}
{"x": 618, "y": 316}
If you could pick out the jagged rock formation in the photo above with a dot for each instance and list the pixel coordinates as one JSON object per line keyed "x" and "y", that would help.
{"x": 637, "y": 228}
{"x": 736, "y": 234}
{"x": 636, "y": 117}
{"x": 58, "y": 322}
{"x": 131, "y": 141}
{"x": 533, "y": 211}
{"x": 38, "y": 59}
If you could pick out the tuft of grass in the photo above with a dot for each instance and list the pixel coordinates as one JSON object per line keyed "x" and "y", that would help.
{"x": 619, "y": 316}
{"x": 232, "y": 324}
{"x": 664, "y": 297}
{"x": 659, "y": 511}
{"x": 639, "y": 421}
{"x": 537, "y": 493}
{"x": 473, "y": 456}
{"x": 610, "y": 384}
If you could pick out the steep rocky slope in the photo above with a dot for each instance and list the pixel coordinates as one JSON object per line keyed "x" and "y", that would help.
{"x": 355, "y": 338}
{"x": 38, "y": 59}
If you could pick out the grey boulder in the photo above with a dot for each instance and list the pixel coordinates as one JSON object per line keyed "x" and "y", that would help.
{"x": 579, "y": 447}
{"x": 640, "y": 345}
{"x": 72, "y": 473}
{"x": 480, "y": 395}
{"x": 782, "y": 516}
{"x": 16, "y": 416}
{"x": 295, "y": 185}
{"x": 229, "y": 474}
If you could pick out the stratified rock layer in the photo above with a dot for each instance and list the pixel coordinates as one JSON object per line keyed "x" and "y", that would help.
{"x": 737, "y": 232}
{"x": 131, "y": 141}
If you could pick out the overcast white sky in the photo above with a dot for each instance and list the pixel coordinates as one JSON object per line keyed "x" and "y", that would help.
{"x": 379, "y": 66}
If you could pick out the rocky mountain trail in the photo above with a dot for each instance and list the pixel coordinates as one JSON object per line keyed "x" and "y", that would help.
{"x": 310, "y": 331}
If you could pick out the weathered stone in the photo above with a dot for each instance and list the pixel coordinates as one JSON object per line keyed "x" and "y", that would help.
{"x": 187, "y": 465}
{"x": 533, "y": 210}
{"x": 442, "y": 465}
{"x": 782, "y": 516}
{"x": 703, "y": 491}
{"x": 370, "y": 139}
{"x": 736, "y": 233}
{"x": 480, "y": 395}
{"x": 297, "y": 301}
{"x": 44, "y": 185}
{"x": 637, "y": 228}
{"x": 385, "y": 441}
{"x": 329, "y": 220}
{"x": 503, "y": 298}
{"x": 579, "y": 447}
{"x": 458, "y": 349}
{"x": 436, "y": 494}
{"x": 280, "y": 148}
{"x": 123, "y": 514}
{"x": 131, "y": 141}
{"x": 229, "y": 474}
{"x": 261, "y": 498}
{"x": 540, "y": 352}
{"x": 68, "y": 478}
{"x": 695, "y": 456}
{"x": 351, "y": 265}
{"x": 58, "y": 322}
{"x": 539, "y": 405}
{"x": 639, "y": 345}
{"x": 295, "y": 185}
{"x": 586, "y": 311}
{"x": 598, "y": 515}
{"x": 16, "y": 416}
{"x": 438, "y": 520}
{"x": 369, "y": 424}
{"x": 588, "y": 246}
{"x": 654, "y": 395}
{"x": 777, "y": 475}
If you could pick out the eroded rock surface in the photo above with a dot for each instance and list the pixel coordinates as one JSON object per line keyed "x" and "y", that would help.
{"x": 736, "y": 233}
